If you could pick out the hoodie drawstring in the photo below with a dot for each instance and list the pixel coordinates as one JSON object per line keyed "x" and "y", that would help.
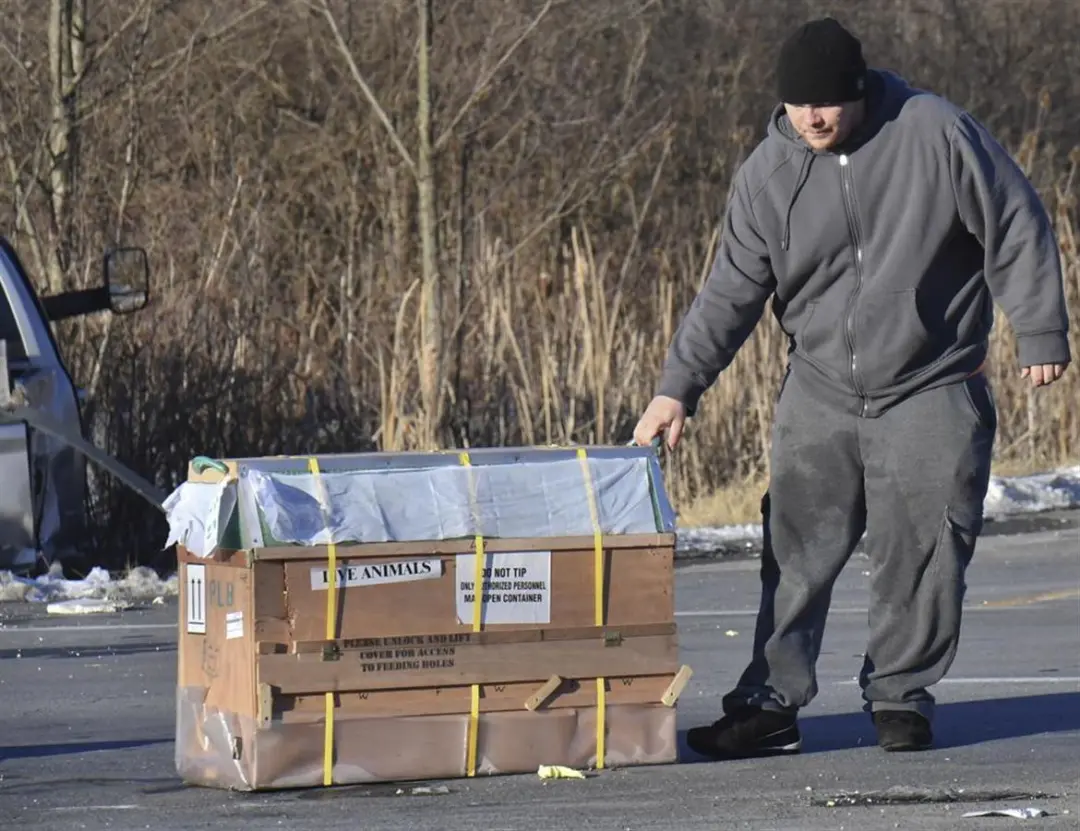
{"x": 804, "y": 174}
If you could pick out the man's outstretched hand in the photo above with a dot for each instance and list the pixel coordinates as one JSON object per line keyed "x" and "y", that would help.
{"x": 1043, "y": 374}
{"x": 662, "y": 415}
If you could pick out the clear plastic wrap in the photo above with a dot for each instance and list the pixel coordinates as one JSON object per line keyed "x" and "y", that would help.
{"x": 530, "y": 494}
{"x": 220, "y": 749}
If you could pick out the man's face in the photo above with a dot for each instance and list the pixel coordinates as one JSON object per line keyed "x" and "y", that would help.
{"x": 823, "y": 127}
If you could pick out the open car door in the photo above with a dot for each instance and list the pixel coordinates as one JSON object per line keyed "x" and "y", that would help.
{"x": 43, "y": 449}
{"x": 17, "y": 533}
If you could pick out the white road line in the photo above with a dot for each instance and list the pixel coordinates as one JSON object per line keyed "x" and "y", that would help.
{"x": 118, "y": 627}
{"x": 97, "y": 808}
{"x": 689, "y": 613}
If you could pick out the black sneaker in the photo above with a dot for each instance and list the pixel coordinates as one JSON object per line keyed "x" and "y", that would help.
{"x": 899, "y": 730}
{"x": 746, "y": 734}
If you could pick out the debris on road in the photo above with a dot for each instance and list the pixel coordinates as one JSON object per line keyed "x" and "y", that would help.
{"x": 558, "y": 772}
{"x": 424, "y": 790}
{"x": 901, "y": 795}
{"x": 1015, "y": 813}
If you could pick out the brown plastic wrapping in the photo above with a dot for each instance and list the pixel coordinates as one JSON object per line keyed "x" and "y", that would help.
{"x": 221, "y": 749}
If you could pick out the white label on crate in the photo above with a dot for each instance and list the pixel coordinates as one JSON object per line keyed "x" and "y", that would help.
{"x": 517, "y": 587}
{"x": 374, "y": 574}
{"x": 195, "y": 590}
{"x": 234, "y": 625}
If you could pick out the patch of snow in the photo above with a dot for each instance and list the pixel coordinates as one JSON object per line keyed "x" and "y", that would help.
{"x": 1033, "y": 494}
{"x": 724, "y": 533}
{"x": 85, "y": 606}
{"x": 137, "y": 587}
{"x": 697, "y": 537}
{"x": 11, "y": 588}
{"x": 1007, "y": 496}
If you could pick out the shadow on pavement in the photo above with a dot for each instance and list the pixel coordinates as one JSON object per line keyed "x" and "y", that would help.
{"x": 37, "y": 751}
{"x": 956, "y": 724}
{"x": 973, "y": 722}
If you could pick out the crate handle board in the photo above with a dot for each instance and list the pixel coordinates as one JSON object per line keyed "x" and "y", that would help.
{"x": 598, "y": 601}
{"x": 331, "y": 616}
{"x": 677, "y": 685}
{"x": 544, "y": 693}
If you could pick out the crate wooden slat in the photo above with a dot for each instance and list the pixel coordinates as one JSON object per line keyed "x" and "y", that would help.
{"x": 441, "y": 666}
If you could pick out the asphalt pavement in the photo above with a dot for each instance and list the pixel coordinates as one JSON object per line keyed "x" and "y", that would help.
{"x": 86, "y": 726}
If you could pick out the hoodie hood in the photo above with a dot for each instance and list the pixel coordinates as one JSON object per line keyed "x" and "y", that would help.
{"x": 886, "y": 93}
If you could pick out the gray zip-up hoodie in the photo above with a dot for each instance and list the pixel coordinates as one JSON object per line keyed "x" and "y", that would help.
{"x": 883, "y": 257}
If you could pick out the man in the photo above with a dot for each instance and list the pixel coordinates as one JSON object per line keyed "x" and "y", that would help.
{"x": 884, "y": 222}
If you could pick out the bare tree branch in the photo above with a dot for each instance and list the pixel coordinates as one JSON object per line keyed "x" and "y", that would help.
{"x": 368, "y": 94}
{"x": 481, "y": 85}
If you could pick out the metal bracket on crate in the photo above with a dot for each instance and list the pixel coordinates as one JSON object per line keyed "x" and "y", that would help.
{"x": 331, "y": 652}
{"x": 613, "y": 638}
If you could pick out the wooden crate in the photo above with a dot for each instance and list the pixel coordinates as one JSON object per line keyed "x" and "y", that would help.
{"x": 289, "y": 678}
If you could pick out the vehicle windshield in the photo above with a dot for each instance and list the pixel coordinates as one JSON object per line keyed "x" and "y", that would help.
{"x": 9, "y": 329}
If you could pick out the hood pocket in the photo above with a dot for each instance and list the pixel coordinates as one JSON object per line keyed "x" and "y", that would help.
{"x": 820, "y": 338}
{"x": 891, "y": 340}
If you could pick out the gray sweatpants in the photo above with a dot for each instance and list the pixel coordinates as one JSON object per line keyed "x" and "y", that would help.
{"x": 914, "y": 479}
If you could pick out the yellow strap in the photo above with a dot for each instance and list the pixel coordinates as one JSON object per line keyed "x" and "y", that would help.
{"x": 478, "y": 595}
{"x": 598, "y": 603}
{"x": 331, "y": 624}
{"x": 474, "y": 730}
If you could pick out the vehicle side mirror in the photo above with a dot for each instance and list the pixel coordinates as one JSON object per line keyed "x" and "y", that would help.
{"x": 127, "y": 279}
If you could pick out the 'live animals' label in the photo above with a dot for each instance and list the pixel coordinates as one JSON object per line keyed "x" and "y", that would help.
{"x": 374, "y": 574}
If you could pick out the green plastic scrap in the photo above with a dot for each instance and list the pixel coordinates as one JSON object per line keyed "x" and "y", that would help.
{"x": 201, "y": 463}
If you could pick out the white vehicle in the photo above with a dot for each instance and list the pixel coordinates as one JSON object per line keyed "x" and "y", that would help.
{"x": 43, "y": 449}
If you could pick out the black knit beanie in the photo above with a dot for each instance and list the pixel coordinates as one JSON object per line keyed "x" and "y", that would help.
{"x": 821, "y": 63}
